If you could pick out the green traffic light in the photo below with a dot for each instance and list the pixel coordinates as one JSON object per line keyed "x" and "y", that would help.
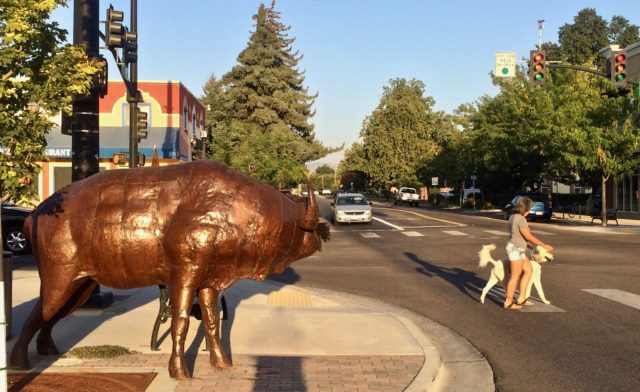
{"x": 620, "y": 77}
{"x": 539, "y": 77}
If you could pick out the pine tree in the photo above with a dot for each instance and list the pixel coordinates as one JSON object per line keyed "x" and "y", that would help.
{"x": 267, "y": 108}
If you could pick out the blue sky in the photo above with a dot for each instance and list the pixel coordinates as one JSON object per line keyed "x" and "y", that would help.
{"x": 352, "y": 48}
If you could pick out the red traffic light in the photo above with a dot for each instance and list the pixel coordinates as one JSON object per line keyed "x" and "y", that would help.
{"x": 620, "y": 58}
{"x": 538, "y": 58}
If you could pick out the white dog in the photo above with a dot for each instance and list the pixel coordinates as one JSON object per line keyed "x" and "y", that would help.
{"x": 497, "y": 272}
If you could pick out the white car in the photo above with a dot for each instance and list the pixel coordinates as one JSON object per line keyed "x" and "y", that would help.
{"x": 351, "y": 208}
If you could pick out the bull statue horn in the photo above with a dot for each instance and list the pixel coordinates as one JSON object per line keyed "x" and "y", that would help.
{"x": 312, "y": 216}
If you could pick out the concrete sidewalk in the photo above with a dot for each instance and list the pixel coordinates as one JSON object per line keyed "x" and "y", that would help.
{"x": 280, "y": 338}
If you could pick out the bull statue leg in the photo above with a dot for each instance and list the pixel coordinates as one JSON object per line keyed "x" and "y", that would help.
{"x": 211, "y": 318}
{"x": 181, "y": 303}
{"x": 55, "y": 308}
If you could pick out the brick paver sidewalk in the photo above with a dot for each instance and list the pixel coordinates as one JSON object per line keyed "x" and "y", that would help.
{"x": 317, "y": 373}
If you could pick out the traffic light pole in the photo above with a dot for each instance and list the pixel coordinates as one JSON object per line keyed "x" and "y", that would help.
{"x": 132, "y": 94}
{"x": 85, "y": 123}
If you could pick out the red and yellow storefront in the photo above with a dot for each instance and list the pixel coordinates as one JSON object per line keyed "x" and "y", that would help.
{"x": 176, "y": 123}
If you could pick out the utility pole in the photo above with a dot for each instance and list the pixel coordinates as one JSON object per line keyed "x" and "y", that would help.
{"x": 540, "y": 28}
{"x": 85, "y": 124}
{"x": 132, "y": 92}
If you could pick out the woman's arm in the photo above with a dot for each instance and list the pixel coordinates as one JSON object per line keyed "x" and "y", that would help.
{"x": 526, "y": 234}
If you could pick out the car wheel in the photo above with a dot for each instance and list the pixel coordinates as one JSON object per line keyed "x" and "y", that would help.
{"x": 15, "y": 241}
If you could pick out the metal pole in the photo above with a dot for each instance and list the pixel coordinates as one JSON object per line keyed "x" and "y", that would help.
{"x": 132, "y": 94}
{"x": 85, "y": 126}
{"x": 85, "y": 123}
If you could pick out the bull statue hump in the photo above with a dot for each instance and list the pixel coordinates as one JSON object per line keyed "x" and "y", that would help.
{"x": 198, "y": 226}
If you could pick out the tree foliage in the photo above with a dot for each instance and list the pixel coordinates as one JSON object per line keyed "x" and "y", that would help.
{"x": 401, "y": 132}
{"x": 260, "y": 110}
{"x": 565, "y": 130}
{"x": 39, "y": 77}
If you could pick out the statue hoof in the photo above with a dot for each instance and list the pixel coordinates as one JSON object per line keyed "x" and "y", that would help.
{"x": 221, "y": 363}
{"x": 178, "y": 370}
{"x": 47, "y": 347}
{"x": 19, "y": 361}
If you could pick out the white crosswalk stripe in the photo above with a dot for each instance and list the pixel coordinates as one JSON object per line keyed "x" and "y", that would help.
{"x": 454, "y": 232}
{"x": 412, "y": 234}
{"x": 368, "y": 234}
{"x": 496, "y": 232}
{"x": 498, "y": 293}
{"x": 542, "y": 232}
{"x": 619, "y": 296}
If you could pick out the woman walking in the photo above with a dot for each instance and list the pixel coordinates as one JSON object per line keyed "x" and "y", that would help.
{"x": 519, "y": 238}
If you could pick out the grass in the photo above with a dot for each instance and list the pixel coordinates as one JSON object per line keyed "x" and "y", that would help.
{"x": 101, "y": 352}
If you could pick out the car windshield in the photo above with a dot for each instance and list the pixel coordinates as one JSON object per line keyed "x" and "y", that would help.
{"x": 352, "y": 200}
{"x": 539, "y": 197}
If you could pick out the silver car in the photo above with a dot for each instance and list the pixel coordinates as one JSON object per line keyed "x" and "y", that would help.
{"x": 350, "y": 208}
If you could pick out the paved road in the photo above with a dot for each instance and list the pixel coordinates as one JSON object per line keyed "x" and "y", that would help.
{"x": 426, "y": 261}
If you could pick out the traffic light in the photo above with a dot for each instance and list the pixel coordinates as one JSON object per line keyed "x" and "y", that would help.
{"x": 131, "y": 48}
{"x": 114, "y": 30}
{"x": 143, "y": 123}
{"x": 537, "y": 67}
{"x": 619, "y": 68}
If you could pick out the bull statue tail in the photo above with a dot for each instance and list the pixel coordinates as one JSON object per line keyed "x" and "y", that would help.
{"x": 312, "y": 216}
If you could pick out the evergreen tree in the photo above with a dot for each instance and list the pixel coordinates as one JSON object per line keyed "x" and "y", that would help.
{"x": 261, "y": 124}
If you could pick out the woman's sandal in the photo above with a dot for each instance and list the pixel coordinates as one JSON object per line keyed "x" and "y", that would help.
{"x": 513, "y": 306}
{"x": 526, "y": 302}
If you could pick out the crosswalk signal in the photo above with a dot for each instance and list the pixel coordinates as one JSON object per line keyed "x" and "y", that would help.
{"x": 619, "y": 68}
{"x": 537, "y": 67}
{"x": 114, "y": 30}
{"x": 142, "y": 120}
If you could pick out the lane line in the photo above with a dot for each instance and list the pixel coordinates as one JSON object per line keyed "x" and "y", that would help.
{"x": 424, "y": 216}
{"x": 454, "y": 232}
{"x": 616, "y": 295}
{"x": 388, "y": 224}
{"x": 369, "y": 234}
{"x": 412, "y": 234}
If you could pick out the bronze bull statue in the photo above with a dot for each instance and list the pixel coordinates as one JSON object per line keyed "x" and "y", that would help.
{"x": 194, "y": 226}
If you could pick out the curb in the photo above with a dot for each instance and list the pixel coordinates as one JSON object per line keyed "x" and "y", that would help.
{"x": 451, "y": 363}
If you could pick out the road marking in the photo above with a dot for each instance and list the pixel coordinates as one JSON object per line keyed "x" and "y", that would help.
{"x": 412, "y": 234}
{"x": 542, "y": 232}
{"x": 425, "y": 216}
{"x": 616, "y": 295}
{"x": 498, "y": 293}
{"x": 454, "y": 232}
{"x": 368, "y": 234}
{"x": 496, "y": 232}
{"x": 388, "y": 224}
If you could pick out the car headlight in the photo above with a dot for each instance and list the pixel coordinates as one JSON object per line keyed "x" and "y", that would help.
{"x": 367, "y": 212}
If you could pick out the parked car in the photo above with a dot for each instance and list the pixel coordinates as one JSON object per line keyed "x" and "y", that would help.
{"x": 541, "y": 209}
{"x": 13, "y": 239}
{"x": 326, "y": 191}
{"x": 351, "y": 208}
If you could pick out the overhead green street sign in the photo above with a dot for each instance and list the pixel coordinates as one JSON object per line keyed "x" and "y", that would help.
{"x": 505, "y": 65}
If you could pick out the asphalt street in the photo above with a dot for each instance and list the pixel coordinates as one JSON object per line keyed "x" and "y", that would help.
{"x": 426, "y": 261}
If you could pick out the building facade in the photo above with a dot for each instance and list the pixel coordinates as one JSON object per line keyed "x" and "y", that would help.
{"x": 176, "y": 121}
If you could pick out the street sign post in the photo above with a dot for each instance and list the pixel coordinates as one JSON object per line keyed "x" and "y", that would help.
{"x": 505, "y": 65}
{"x": 434, "y": 181}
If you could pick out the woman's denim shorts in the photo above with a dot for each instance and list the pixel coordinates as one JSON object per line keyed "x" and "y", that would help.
{"x": 514, "y": 253}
